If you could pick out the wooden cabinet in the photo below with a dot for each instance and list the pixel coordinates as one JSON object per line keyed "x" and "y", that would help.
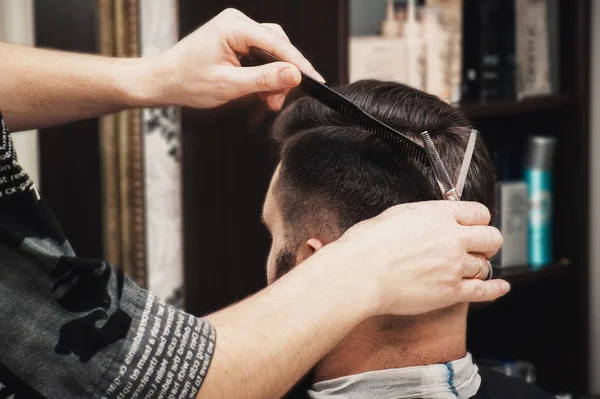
{"x": 228, "y": 158}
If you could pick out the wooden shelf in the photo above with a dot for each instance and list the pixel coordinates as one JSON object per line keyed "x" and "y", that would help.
{"x": 500, "y": 108}
{"x": 521, "y": 274}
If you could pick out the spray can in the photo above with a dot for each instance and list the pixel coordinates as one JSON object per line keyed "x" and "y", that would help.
{"x": 538, "y": 176}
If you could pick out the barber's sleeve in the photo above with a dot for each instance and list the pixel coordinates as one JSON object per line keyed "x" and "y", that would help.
{"x": 166, "y": 352}
{"x": 78, "y": 328}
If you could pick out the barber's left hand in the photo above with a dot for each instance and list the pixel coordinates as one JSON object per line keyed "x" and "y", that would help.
{"x": 203, "y": 70}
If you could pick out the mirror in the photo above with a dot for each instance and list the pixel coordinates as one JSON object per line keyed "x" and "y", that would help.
{"x": 141, "y": 176}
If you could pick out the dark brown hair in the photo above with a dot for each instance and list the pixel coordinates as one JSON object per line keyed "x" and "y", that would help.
{"x": 334, "y": 174}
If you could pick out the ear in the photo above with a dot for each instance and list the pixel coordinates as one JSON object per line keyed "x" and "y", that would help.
{"x": 310, "y": 247}
{"x": 313, "y": 245}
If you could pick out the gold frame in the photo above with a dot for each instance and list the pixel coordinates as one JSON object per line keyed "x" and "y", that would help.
{"x": 122, "y": 152}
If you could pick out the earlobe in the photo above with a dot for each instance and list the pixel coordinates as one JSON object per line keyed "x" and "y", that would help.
{"x": 310, "y": 247}
{"x": 313, "y": 245}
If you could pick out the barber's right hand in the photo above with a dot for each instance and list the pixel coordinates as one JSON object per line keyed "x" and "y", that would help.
{"x": 419, "y": 257}
{"x": 203, "y": 69}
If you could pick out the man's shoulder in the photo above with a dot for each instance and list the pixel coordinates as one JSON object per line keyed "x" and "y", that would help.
{"x": 495, "y": 385}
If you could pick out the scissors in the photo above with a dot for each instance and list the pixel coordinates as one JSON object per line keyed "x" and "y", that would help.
{"x": 450, "y": 191}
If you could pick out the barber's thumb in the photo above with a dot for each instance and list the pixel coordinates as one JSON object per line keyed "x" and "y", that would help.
{"x": 266, "y": 78}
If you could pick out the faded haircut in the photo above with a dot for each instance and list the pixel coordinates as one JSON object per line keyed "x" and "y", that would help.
{"x": 333, "y": 174}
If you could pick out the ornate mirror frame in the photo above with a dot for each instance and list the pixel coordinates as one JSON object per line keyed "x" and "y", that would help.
{"x": 140, "y": 157}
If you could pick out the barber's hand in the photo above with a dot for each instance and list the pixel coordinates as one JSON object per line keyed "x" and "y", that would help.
{"x": 418, "y": 257}
{"x": 203, "y": 70}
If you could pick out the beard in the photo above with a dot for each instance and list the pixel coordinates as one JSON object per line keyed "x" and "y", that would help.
{"x": 285, "y": 261}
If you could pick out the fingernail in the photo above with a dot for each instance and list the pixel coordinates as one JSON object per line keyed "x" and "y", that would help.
{"x": 287, "y": 78}
{"x": 319, "y": 77}
{"x": 504, "y": 286}
{"x": 280, "y": 102}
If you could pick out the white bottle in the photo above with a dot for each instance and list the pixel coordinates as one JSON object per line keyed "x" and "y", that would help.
{"x": 433, "y": 43}
{"x": 391, "y": 27}
{"x": 414, "y": 53}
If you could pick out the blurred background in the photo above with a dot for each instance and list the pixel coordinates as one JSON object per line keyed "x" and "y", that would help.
{"x": 173, "y": 196}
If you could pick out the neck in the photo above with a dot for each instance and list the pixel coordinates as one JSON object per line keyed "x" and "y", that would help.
{"x": 398, "y": 342}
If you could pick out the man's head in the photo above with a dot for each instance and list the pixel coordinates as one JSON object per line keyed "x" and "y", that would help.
{"x": 333, "y": 174}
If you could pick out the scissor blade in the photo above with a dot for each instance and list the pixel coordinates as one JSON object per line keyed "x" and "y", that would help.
{"x": 464, "y": 169}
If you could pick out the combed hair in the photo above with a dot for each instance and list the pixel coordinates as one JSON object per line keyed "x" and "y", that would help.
{"x": 333, "y": 174}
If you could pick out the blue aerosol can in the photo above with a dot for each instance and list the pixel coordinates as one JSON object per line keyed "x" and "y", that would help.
{"x": 538, "y": 176}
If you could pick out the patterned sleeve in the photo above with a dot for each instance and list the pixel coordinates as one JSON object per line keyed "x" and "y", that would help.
{"x": 78, "y": 328}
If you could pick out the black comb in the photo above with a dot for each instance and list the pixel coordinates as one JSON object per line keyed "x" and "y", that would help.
{"x": 349, "y": 110}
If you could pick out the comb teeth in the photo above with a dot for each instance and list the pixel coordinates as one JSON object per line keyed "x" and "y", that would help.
{"x": 440, "y": 171}
{"x": 385, "y": 133}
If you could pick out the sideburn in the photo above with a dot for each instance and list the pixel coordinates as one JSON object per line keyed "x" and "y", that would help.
{"x": 286, "y": 260}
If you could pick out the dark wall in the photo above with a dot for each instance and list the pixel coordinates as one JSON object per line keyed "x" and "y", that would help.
{"x": 228, "y": 160}
{"x": 69, "y": 154}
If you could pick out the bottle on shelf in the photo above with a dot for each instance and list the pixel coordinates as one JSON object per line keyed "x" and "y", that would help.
{"x": 391, "y": 27}
{"x": 538, "y": 175}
